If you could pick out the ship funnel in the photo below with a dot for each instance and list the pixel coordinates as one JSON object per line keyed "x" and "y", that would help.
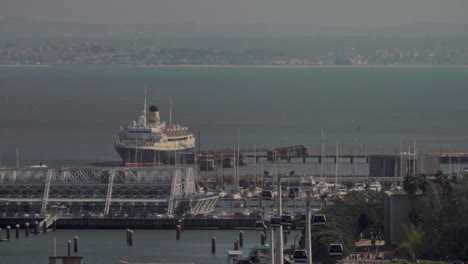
{"x": 153, "y": 114}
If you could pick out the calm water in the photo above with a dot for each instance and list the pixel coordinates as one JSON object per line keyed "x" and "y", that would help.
{"x": 70, "y": 115}
{"x": 109, "y": 246}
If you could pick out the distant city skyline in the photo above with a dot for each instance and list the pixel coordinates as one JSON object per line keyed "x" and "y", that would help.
{"x": 353, "y": 13}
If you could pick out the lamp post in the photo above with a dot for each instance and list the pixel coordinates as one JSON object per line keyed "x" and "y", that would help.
{"x": 279, "y": 238}
{"x": 308, "y": 231}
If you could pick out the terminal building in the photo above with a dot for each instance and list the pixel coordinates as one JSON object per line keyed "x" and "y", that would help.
{"x": 102, "y": 192}
{"x": 401, "y": 165}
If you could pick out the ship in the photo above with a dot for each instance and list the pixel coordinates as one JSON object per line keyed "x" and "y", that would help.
{"x": 152, "y": 142}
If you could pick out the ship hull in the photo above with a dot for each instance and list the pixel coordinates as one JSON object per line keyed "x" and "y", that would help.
{"x": 132, "y": 157}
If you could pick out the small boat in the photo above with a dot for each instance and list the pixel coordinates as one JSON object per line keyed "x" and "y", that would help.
{"x": 268, "y": 195}
{"x": 375, "y": 186}
{"x": 41, "y": 165}
{"x": 359, "y": 187}
{"x": 296, "y": 193}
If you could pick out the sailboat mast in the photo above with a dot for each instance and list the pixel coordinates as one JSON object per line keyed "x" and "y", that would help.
{"x": 395, "y": 168}
{"x": 17, "y": 158}
{"x": 336, "y": 164}
{"x": 401, "y": 157}
{"x": 144, "y": 110}
{"x": 414, "y": 156}
{"x": 355, "y": 154}
{"x": 322, "y": 154}
{"x": 238, "y": 155}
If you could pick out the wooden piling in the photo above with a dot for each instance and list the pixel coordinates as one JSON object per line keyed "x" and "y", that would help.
{"x": 8, "y": 228}
{"x": 54, "y": 225}
{"x": 178, "y": 232}
{"x": 17, "y": 230}
{"x": 44, "y": 227}
{"x": 241, "y": 239}
{"x": 262, "y": 239}
{"x": 26, "y": 229}
{"x": 75, "y": 244}
{"x": 213, "y": 245}
{"x": 236, "y": 244}
{"x": 36, "y": 227}
{"x": 130, "y": 238}
{"x": 69, "y": 248}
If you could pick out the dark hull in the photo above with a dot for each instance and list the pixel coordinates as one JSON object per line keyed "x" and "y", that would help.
{"x": 142, "y": 157}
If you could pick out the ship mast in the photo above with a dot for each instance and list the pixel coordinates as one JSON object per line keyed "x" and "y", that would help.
{"x": 144, "y": 110}
{"x": 170, "y": 112}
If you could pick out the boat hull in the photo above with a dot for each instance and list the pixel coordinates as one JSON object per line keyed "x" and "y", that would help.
{"x": 132, "y": 157}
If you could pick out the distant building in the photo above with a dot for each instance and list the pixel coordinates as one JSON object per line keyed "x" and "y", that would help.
{"x": 401, "y": 165}
{"x": 397, "y": 210}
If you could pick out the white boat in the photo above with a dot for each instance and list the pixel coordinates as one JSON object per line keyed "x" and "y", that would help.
{"x": 151, "y": 142}
{"x": 341, "y": 190}
{"x": 374, "y": 186}
{"x": 359, "y": 187}
{"x": 41, "y": 165}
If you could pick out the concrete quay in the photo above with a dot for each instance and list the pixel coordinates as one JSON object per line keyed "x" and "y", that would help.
{"x": 139, "y": 223}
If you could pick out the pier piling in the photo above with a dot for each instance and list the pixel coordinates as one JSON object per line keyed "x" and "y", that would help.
{"x": 241, "y": 239}
{"x": 178, "y": 232}
{"x": 17, "y": 230}
{"x": 54, "y": 225}
{"x": 263, "y": 238}
{"x": 128, "y": 230}
{"x": 130, "y": 238}
{"x": 0, "y": 233}
{"x": 75, "y": 244}
{"x": 69, "y": 248}
{"x": 44, "y": 227}
{"x": 236, "y": 244}
{"x": 8, "y": 228}
{"x": 36, "y": 227}
{"x": 213, "y": 245}
{"x": 26, "y": 229}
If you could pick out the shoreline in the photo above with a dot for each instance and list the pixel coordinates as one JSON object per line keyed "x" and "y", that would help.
{"x": 242, "y": 66}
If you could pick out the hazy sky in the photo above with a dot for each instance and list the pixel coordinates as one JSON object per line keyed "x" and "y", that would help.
{"x": 318, "y": 12}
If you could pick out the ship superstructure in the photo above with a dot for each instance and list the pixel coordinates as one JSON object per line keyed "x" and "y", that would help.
{"x": 151, "y": 142}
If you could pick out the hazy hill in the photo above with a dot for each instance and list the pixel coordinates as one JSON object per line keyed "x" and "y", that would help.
{"x": 28, "y": 28}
